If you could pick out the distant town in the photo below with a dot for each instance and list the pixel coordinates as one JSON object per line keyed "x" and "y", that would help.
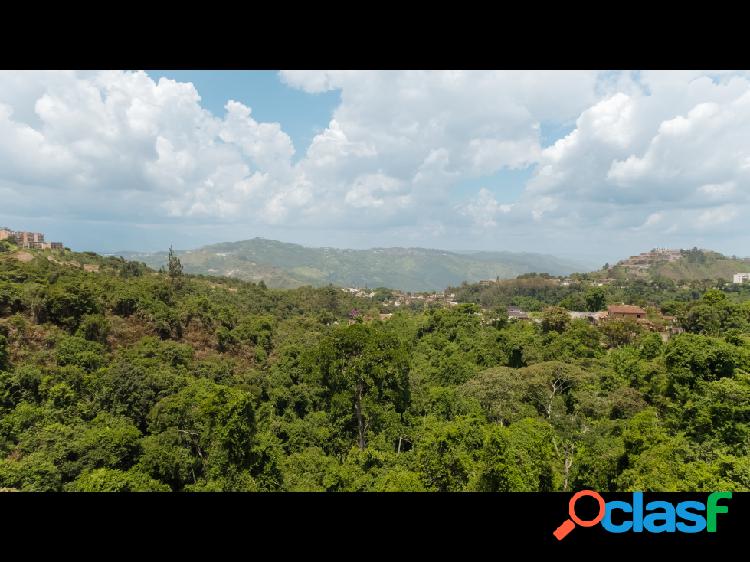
{"x": 651, "y": 319}
{"x": 29, "y": 240}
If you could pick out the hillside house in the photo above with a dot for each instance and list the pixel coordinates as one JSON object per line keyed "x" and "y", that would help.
{"x": 741, "y": 277}
{"x": 626, "y": 311}
{"x": 515, "y": 313}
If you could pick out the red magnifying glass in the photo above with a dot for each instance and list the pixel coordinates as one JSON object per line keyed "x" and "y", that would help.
{"x": 569, "y": 524}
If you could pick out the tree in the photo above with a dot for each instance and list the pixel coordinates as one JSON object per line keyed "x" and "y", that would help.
{"x": 94, "y": 327}
{"x": 74, "y": 350}
{"x": 518, "y": 458}
{"x": 498, "y": 316}
{"x": 595, "y": 299}
{"x": 66, "y": 303}
{"x": 132, "y": 386}
{"x": 691, "y": 358}
{"x": 215, "y": 422}
{"x": 132, "y": 269}
{"x": 620, "y": 331}
{"x": 31, "y": 473}
{"x": 448, "y": 452}
{"x": 580, "y": 340}
{"x": 500, "y": 393}
{"x": 399, "y": 480}
{"x": 555, "y": 319}
{"x": 112, "y": 480}
{"x": 549, "y": 385}
{"x": 174, "y": 266}
{"x": 365, "y": 372}
{"x": 714, "y": 296}
{"x": 650, "y": 345}
{"x": 734, "y": 336}
{"x": 721, "y": 411}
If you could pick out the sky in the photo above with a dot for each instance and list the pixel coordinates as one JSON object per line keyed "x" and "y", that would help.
{"x": 594, "y": 165}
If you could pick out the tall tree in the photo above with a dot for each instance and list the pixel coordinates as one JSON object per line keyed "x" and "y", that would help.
{"x": 175, "y": 266}
{"x": 365, "y": 372}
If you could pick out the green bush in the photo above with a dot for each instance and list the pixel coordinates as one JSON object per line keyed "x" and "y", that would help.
{"x": 112, "y": 480}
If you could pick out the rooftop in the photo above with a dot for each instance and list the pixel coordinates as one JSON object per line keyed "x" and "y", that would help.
{"x": 625, "y": 309}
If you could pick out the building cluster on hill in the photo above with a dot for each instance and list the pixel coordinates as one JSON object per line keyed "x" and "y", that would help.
{"x": 362, "y": 293}
{"x": 644, "y": 260}
{"x": 29, "y": 240}
{"x": 562, "y": 281}
{"x": 435, "y": 298}
{"x": 400, "y": 298}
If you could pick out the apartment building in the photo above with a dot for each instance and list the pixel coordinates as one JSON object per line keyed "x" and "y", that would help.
{"x": 29, "y": 240}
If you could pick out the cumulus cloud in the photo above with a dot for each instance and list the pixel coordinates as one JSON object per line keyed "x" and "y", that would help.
{"x": 109, "y": 135}
{"x": 680, "y": 139}
{"x": 645, "y": 152}
{"x": 484, "y": 209}
{"x": 717, "y": 216}
{"x": 653, "y": 219}
{"x": 398, "y": 140}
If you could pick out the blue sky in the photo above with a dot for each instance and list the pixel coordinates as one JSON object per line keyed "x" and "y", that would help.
{"x": 586, "y": 164}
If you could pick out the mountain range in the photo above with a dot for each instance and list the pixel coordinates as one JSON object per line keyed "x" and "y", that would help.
{"x": 284, "y": 265}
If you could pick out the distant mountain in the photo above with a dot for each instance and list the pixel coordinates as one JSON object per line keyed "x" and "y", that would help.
{"x": 681, "y": 265}
{"x": 284, "y": 265}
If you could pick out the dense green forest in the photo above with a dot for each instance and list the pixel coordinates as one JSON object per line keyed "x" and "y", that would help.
{"x": 114, "y": 377}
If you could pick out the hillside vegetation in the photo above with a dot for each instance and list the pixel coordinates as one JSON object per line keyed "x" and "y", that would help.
{"x": 115, "y": 377}
{"x": 701, "y": 264}
{"x": 692, "y": 265}
{"x": 284, "y": 265}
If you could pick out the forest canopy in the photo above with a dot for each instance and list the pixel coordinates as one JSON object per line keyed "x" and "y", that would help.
{"x": 115, "y": 377}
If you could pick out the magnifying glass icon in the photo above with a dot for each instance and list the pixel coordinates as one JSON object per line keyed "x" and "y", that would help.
{"x": 569, "y": 524}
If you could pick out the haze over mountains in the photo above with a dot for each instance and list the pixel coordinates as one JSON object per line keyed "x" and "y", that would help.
{"x": 285, "y": 265}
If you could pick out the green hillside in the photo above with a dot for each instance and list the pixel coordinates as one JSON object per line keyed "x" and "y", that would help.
{"x": 284, "y": 265}
{"x": 701, "y": 264}
{"x": 114, "y": 377}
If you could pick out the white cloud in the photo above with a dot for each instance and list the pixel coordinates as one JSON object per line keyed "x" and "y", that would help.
{"x": 397, "y": 142}
{"x": 720, "y": 191}
{"x": 484, "y": 209}
{"x": 96, "y": 138}
{"x": 649, "y": 152}
{"x": 653, "y": 219}
{"x": 683, "y": 139}
{"x": 717, "y": 216}
{"x": 265, "y": 144}
{"x": 376, "y": 190}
